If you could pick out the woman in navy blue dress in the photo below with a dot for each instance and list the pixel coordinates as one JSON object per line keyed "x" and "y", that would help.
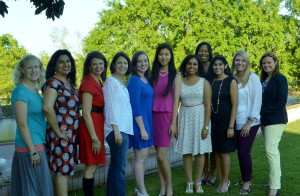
{"x": 141, "y": 95}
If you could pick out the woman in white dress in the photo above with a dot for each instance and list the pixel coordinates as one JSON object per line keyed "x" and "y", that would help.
{"x": 194, "y": 120}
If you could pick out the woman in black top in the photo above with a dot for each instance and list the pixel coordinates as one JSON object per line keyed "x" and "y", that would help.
{"x": 273, "y": 115}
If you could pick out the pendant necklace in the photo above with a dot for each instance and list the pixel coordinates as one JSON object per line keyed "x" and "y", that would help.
{"x": 218, "y": 101}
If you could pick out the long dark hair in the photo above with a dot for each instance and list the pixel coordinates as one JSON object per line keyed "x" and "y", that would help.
{"x": 263, "y": 74}
{"x": 171, "y": 68}
{"x": 113, "y": 62}
{"x": 211, "y": 73}
{"x": 185, "y": 61}
{"x": 209, "y": 48}
{"x": 87, "y": 63}
{"x": 50, "y": 71}
{"x": 134, "y": 63}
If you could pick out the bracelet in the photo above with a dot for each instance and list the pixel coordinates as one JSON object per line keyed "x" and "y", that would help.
{"x": 95, "y": 140}
{"x": 33, "y": 153}
{"x": 230, "y": 127}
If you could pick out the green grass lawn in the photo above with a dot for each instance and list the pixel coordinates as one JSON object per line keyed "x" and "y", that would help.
{"x": 290, "y": 157}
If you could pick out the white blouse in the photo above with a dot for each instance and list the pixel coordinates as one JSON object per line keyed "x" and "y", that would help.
{"x": 117, "y": 108}
{"x": 249, "y": 102}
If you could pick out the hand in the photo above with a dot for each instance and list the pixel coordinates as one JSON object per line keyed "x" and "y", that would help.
{"x": 173, "y": 130}
{"x": 144, "y": 135}
{"x": 64, "y": 136}
{"x": 204, "y": 133}
{"x": 245, "y": 130}
{"x": 35, "y": 159}
{"x": 118, "y": 138}
{"x": 96, "y": 147}
{"x": 230, "y": 133}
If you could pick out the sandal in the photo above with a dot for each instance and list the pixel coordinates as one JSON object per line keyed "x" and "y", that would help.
{"x": 189, "y": 187}
{"x": 198, "y": 188}
{"x": 245, "y": 191}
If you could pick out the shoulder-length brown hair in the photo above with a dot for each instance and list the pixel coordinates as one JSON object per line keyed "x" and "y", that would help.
{"x": 263, "y": 74}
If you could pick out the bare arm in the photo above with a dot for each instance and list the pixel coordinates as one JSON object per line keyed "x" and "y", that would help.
{"x": 173, "y": 127}
{"x": 20, "y": 109}
{"x": 234, "y": 102}
{"x": 87, "y": 99}
{"x": 50, "y": 96}
{"x": 207, "y": 108}
{"x": 118, "y": 135}
{"x": 139, "y": 121}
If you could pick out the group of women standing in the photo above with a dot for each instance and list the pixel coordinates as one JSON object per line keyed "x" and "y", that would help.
{"x": 220, "y": 111}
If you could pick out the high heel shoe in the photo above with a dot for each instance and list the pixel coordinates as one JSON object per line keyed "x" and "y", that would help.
{"x": 137, "y": 192}
{"x": 198, "y": 188}
{"x": 189, "y": 187}
{"x": 211, "y": 181}
{"x": 226, "y": 189}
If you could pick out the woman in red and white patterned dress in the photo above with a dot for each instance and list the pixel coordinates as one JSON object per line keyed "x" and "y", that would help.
{"x": 61, "y": 104}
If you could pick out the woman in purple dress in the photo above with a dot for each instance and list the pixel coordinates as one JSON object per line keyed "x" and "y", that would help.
{"x": 166, "y": 83}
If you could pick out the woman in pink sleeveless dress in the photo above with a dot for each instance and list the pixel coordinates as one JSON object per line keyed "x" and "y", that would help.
{"x": 166, "y": 83}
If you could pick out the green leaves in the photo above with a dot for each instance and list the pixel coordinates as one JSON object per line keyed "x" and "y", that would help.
{"x": 10, "y": 54}
{"x": 54, "y": 8}
{"x": 3, "y": 8}
{"x": 254, "y": 26}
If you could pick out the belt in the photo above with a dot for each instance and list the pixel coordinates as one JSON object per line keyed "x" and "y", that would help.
{"x": 97, "y": 109}
{"x": 188, "y": 106}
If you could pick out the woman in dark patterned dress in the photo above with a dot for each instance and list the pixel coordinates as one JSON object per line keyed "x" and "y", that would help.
{"x": 61, "y": 110}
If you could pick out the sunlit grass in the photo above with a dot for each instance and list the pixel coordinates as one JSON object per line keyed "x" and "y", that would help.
{"x": 290, "y": 157}
{"x": 7, "y": 130}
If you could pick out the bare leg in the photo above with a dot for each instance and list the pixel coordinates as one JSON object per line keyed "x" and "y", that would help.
{"x": 218, "y": 164}
{"x": 61, "y": 184}
{"x": 225, "y": 167}
{"x": 212, "y": 169}
{"x": 90, "y": 171}
{"x": 140, "y": 157}
{"x": 205, "y": 167}
{"x": 188, "y": 166}
{"x": 199, "y": 163}
{"x": 165, "y": 169}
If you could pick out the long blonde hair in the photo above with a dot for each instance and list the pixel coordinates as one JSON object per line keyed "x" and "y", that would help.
{"x": 247, "y": 73}
{"x": 18, "y": 75}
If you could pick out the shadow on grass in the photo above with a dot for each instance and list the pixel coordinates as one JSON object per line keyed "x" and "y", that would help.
{"x": 290, "y": 157}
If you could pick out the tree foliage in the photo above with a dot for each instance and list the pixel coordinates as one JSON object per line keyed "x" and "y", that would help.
{"x": 53, "y": 8}
{"x": 10, "y": 54}
{"x": 229, "y": 25}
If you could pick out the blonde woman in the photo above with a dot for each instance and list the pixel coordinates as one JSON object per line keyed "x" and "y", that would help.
{"x": 29, "y": 159}
{"x": 248, "y": 114}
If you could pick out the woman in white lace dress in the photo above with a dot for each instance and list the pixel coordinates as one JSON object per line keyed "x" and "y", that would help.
{"x": 194, "y": 120}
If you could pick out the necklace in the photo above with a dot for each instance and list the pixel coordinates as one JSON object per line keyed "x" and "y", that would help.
{"x": 163, "y": 74}
{"x": 218, "y": 102}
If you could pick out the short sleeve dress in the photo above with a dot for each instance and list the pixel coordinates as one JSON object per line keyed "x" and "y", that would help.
{"x": 86, "y": 155}
{"x": 63, "y": 154}
{"x": 220, "y": 116}
{"x": 141, "y": 97}
{"x": 191, "y": 121}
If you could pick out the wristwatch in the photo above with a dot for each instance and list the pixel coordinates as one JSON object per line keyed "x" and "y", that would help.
{"x": 250, "y": 119}
{"x": 206, "y": 127}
